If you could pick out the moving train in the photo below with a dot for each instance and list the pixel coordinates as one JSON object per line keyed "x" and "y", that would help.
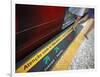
{"x": 37, "y": 24}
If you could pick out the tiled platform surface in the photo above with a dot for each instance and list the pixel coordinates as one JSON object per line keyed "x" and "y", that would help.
{"x": 84, "y": 58}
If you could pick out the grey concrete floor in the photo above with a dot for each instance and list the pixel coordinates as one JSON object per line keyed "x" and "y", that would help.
{"x": 84, "y": 58}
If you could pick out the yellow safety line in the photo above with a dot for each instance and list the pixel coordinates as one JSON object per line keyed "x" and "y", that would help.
{"x": 35, "y": 59}
{"x": 69, "y": 54}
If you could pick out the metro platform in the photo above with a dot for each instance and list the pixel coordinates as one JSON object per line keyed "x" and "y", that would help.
{"x": 57, "y": 53}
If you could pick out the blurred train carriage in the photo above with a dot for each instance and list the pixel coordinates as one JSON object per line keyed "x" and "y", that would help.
{"x": 35, "y": 25}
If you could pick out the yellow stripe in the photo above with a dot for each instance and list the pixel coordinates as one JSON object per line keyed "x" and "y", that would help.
{"x": 69, "y": 54}
{"x": 35, "y": 59}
